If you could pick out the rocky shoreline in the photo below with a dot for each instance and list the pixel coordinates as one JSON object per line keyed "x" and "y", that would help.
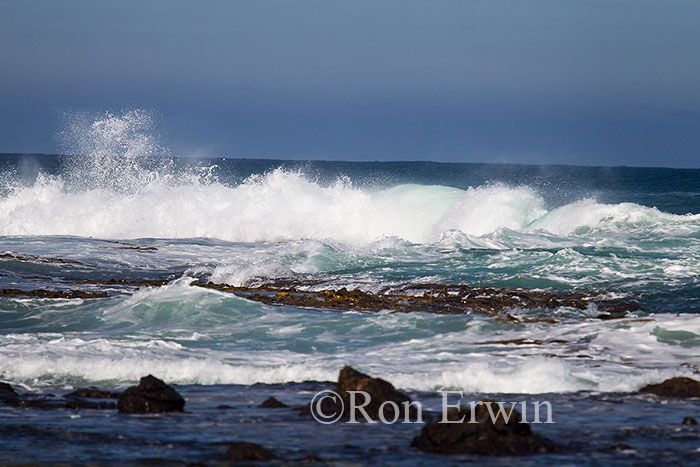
{"x": 505, "y": 434}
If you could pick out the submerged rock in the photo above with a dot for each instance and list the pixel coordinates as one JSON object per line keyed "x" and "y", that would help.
{"x": 243, "y": 451}
{"x": 92, "y": 393}
{"x": 272, "y": 403}
{"x": 484, "y": 437}
{"x": 8, "y": 395}
{"x": 674, "y": 387}
{"x": 150, "y": 396}
{"x": 48, "y": 401}
{"x": 78, "y": 403}
{"x": 622, "y": 448}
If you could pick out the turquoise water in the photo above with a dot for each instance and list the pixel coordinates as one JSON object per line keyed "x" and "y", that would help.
{"x": 366, "y": 225}
{"x": 628, "y": 233}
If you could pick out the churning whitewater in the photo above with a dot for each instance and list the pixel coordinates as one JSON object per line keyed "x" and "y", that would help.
{"x": 122, "y": 208}
{"x": 282, "y": 206}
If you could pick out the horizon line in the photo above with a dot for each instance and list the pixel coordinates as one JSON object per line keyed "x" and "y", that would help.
{"x": 368, "y": 161}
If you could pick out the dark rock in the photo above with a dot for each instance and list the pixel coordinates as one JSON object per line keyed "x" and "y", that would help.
{"x": 272, "y": 403}
{"x": 150, "y": 396}
{"x": 93, "y": 393}
{"x": 379, "y": 391}
{"x": 38, "y": 401}
{"x": 38, "y": 259}
{"x": 689, "y": 421}
{"x": 243, "y": 451}
{"x": 140, "y": 248}
{"x": 674, "y": 387}
{"x": 435, "y": 298}
{"x": 223, "y": 407}
{"x": 77, "y": 403}
{"x": 483, "y": 438}
{"x": 48, "y": 401}
{"x": 337, "y": 403}
{"x": 8, "y": 395}
{"x": 41, "y": 293}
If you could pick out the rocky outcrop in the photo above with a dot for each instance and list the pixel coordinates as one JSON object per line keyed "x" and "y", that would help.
{"x": 674, "y": 387}
{"x": 689, "y": 421}
{"x": 381, "y": 397}
{"x": 379, "y": 392}
{"x": 272, "y": 403}
{"x": 243, "y": 451}
{"x": 41, "y": 293}
{"x": 431, "y": 298}
{"x": 150, "y": 396}
{"x": 485, "y": 438}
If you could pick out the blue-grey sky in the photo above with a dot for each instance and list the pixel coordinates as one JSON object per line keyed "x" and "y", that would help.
{"x": 614, "y": 82}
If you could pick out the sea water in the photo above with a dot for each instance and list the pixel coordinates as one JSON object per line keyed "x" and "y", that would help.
{"x": 121, "y": 206}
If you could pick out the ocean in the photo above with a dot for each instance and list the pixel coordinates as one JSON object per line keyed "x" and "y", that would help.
{"x": 123, "y": 212}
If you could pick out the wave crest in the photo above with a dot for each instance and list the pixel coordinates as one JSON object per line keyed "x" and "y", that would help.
{"x": 121, "y": 183}
{"x": 283, "y": 206}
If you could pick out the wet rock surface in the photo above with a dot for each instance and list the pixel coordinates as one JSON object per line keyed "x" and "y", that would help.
{"x": 48, "y": 401}
{"x": 286, "y": 439}
{"x": 151, "y": 396}
{"x": 431, "y": 298}
{"x": 42, "y": 293}
{"x": 379, "y": 392}
{"x": 689, "y": 421}
{"x": 381, "y": 398}
{"x": 674, "y": 387}
{"x": 272, "y": 403}
{"x": 484, "y": 437}
{"x": 10, "y": 256}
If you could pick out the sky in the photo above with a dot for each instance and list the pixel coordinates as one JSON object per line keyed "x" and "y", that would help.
{"x": 585, "y": 82}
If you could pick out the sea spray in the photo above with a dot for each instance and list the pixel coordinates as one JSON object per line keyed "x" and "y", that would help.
{"x": 121, "y": 182}
{"x": 117, "y": 153}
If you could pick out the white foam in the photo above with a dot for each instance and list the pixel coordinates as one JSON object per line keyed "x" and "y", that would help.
{"x": 122, "y": 184}
{"x": 567, "y": 219}
{"x": 286, "y": 206}
{"x": 245, "y": 274}
{"x": 240, "y": 342}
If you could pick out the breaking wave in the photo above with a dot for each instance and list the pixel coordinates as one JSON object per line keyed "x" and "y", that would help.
{"x": 283, "y": 206}
{"x": 122, "y": 184}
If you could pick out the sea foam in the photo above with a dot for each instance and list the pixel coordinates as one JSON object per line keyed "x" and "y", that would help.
{"x": 284, "y": 206}
{"x": 121, "y": 183}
